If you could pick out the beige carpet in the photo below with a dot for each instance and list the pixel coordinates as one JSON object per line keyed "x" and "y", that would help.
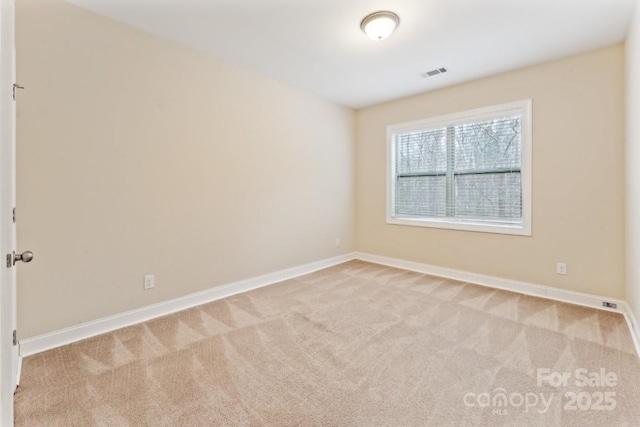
{"x": 356, "y": 344}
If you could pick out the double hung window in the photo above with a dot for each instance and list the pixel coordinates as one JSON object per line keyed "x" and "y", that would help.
{"x": 466, "y": 171}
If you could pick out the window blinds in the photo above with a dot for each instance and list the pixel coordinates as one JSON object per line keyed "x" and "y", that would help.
{"x": 465, "y": 171}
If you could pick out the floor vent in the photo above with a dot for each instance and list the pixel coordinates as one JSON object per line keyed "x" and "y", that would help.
{"x": 434, "y": 72}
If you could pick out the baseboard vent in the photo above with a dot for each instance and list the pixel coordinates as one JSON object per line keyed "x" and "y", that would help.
{"x": 608, "y": 304}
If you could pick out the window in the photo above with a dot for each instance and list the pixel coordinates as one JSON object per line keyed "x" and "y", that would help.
{"x": 466, "y": 171}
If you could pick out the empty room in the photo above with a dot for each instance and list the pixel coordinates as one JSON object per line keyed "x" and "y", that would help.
{"x": 320, "y": 213}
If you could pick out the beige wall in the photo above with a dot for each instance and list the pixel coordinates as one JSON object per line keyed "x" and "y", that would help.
{"x": 578, "y": 178}
{"x": 632, "y": 156}
{"x": 137, "y": 156}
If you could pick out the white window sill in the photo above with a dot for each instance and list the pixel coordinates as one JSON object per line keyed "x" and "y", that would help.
{"x": 517, "y": 229}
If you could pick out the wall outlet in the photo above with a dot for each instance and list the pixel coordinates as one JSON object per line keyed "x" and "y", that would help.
{"x": 337, "y": 242}
{"x": 149, "y": 281}
{"x": 561, "y": 268}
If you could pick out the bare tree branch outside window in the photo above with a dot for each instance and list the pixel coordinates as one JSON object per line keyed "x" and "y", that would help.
{"x": 480, "y": 162}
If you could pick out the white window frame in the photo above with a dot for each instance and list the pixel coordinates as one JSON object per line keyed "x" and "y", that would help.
{"x": 522, "y": 107}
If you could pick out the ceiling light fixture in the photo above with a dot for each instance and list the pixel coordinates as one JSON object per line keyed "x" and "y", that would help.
{"x": 379, "y": 25}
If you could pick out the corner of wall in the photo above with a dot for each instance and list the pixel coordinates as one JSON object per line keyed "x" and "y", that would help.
{"x": 632, "y": 158}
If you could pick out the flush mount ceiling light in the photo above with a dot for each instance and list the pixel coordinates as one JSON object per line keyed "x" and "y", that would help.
{"x": 379, "y": 25}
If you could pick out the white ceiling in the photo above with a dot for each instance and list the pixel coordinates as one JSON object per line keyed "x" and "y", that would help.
{"x": 317, "y": 45}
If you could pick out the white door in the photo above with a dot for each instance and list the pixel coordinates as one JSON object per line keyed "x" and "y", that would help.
{"x": 9, "y": 358}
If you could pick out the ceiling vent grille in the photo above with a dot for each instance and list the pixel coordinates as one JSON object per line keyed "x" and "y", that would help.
{"x": 434, "y": 72}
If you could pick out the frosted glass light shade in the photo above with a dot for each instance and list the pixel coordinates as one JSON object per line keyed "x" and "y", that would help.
{"x": 379, "y": 25}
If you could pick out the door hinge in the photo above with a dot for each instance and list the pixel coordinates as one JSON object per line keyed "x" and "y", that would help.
{"x": 16, "y": 86}
{"x": 14, "y": 215}
{"x": 9, "y": 260}
{"x": 15, "y": 338}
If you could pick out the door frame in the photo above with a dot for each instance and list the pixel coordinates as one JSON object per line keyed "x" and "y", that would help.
{"x": 9, "y": 358}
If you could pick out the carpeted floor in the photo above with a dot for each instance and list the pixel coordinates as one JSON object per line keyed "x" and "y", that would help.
{"x": 353, "y": 345}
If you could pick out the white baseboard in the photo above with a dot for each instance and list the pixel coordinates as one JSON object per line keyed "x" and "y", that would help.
{"x": 19, "y": 370}
{"x": 634, "y": 327}
{"x": 90, "y": 329}
{"x": 542, "y": 291}
{"x": 82, "y": 331}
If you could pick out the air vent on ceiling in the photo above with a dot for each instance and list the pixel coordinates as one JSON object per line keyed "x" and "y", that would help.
{"x": 434, "y": 72}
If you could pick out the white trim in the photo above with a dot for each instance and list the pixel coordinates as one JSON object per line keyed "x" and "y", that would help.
{"x": 475, "y": 115}
{"x": 562, "y": 295}
{"x": 19, "y": 371}
{"x": 523, "y": 107}
{"x": 8, "y": 352}
{"x": 542, "y": 291}
{"x": 82, "y": 331}
{"x": 634, "y": 326}
{"x": 455, "y": 224}
{"x": 76, "y": 333}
